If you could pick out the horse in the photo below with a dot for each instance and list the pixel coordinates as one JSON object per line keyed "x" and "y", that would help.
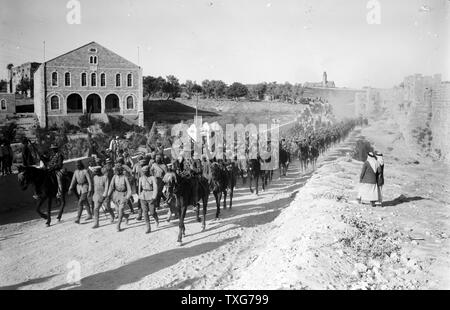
{"x": 284, "y": 157}
{"x": 254, "y": 170}
{"x": 218, "y": 185}
{"x": 184, "y": 191}
{"x": 46, "y": 181}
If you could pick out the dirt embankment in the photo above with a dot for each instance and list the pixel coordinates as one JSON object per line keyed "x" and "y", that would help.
{"x": 325, "y": 240}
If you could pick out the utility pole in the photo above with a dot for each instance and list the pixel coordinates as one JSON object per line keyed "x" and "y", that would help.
{"x": 45, "y": 92}
{"x": 139, "y": 61}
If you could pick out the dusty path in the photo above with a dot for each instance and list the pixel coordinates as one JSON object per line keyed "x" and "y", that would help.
{"x": 36, "y": 257}
{"x": 305, "y": 232}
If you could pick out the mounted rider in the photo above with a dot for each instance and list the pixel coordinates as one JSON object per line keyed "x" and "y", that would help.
{"x": 55, "y": 163}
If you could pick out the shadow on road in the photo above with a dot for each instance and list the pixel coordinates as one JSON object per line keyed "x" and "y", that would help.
{"x": 143, "y": 267}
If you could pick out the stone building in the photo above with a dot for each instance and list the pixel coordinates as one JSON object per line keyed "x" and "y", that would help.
{"x": 24, "y": 71}
{"x": 90, "y": 79}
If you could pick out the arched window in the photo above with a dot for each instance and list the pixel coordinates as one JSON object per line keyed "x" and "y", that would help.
{"x": 91, "y": 59}
{"x": 130, "y": 103}
{"x": 55, "y": 79}
{"x": 118, "y": 79}
{"x": 3, "y": 104}
{"x": 67, "y": 79}
{"x": 93, "y": 79}
{"x": 83, "y": 79}
{"x": 95, "y": 59}
{"x": 129, "y": 80}
{"x": 54, "y": 103}
{"x": 102, "y": 79}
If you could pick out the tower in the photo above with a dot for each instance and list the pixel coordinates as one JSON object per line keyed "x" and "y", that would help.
{"x": 324, "y": 79}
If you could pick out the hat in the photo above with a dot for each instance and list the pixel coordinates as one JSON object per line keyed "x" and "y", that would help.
{"x": 145, "y": 168}
{"x": 108, "y": 160}
{"x": 371, "y": 154}
{"x": 378, "y": 153}
{"x": 53, "y": 146}
{"x": 96, "y": 168}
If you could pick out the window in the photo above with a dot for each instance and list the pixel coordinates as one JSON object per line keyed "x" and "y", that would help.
{"x": 67, "y": 79}
{"x": 130, "y": 103}
{"x": 3, "y": 104}
{"x": 129, "y": 80}
{"x": 118, "y": 79}
{"x": 83, "y": 79}
{"x": 55, "y": 79}
{"x": 54, "y": 103}
{"x": 102, "y": 79}
{"x": 93, "y": 79}
{"x": 93, "y": 60}
{"x": 93, "y": 50}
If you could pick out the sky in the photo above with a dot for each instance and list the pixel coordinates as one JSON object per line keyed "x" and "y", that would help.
{"x": 248, "y": 41}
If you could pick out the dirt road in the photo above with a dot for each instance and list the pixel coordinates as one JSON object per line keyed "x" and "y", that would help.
{"x": 304, "y": 232}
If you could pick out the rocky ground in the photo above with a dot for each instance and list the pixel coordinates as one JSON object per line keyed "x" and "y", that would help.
{"x": 305, "y": 232}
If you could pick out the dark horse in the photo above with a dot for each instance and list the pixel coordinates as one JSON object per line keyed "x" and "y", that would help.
{"x": 184, "y": 192}
{"x": 46, "y": 181}
{"x": 284, "y": 157}
{"x": 224, "y": 177}
{"x": 254, "y": 171}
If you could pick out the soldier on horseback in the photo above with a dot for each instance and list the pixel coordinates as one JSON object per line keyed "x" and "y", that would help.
{"x": 55, "y": 163}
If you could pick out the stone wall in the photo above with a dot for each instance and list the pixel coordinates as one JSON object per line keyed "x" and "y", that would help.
{"x": 440, "y": 121}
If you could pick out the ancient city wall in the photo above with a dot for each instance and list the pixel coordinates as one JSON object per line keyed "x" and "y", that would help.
{"x": 440, "y": 121}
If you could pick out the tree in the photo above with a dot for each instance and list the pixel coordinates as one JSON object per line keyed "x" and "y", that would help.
{"x": 9, "y": 67}
{"x": 3, "y": 86}
{"x": 237, "y": 90}
{"x": 192, "y": 88}
{"x": 172, "y": 87}
{"x": 208, "y": 90}
{"x": 219, "y": 88}
{"x": 153, "y": 85}
{"x": 260, "y": 90}
{"x": 24, "y": 86}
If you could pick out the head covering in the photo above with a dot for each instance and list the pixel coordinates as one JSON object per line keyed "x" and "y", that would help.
{"x": 380, "y": 158}
{"x": 96, "y": 169}
{"x": 108, "y": 160}
{"x": 53, "y": 146}
{"x": 145, "y": 169}
{"x": 373, "y": 161}
{"x": 80, "y": 164}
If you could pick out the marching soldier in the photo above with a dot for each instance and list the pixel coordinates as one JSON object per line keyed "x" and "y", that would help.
{"x": 147, "y": 191}
{"x": 120, "y": 191}
{"x": 100, "y": 197}
{"x": 83, "y": 183}
{"x": 158, "y": 170}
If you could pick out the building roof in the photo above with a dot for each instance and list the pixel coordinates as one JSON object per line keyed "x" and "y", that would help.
{"x": 86, "y": 45}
